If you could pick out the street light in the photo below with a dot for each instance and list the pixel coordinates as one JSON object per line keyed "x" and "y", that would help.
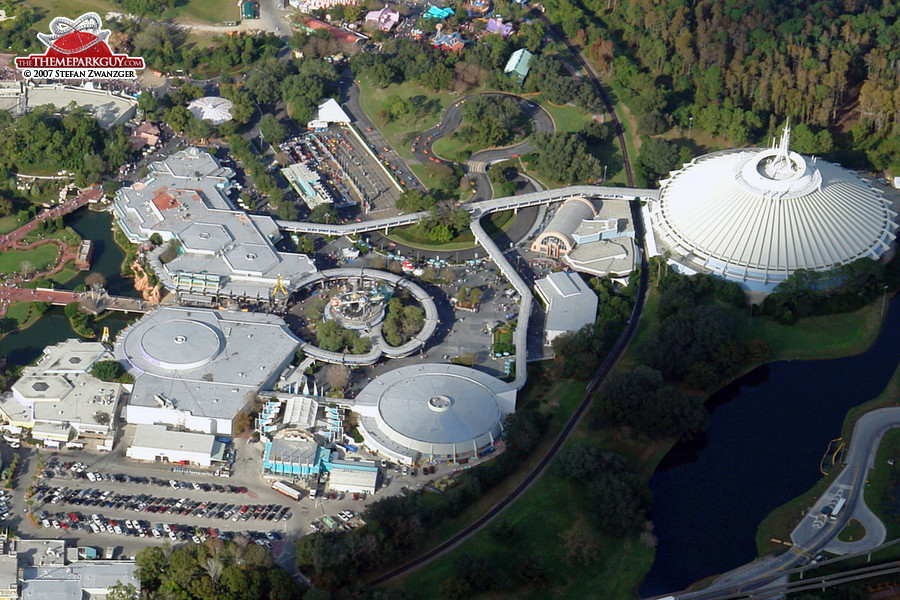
{"x": 884, "y": 300}
{"x": 690, "y": 125}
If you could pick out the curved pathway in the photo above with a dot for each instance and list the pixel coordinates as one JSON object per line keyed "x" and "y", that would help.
{"x": 816, "y": 533}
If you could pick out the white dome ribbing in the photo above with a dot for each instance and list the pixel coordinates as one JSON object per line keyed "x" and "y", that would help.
{"x": 757, "y": 215}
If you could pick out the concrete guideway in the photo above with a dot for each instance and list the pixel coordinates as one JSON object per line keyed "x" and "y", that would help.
{"x": 815, "y": 532}
{"x": 477, "y": 209}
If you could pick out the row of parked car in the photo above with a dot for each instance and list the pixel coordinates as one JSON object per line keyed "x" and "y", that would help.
{"x": 96, "y": 476}
{"x": 160, "y": 505}
{"x": 100, "y": 524}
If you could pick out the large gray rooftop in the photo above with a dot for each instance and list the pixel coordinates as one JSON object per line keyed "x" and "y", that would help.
{"x": 433, "y": 408}
{"x": 203, "y": 361}
{"x": 186, "y": 197}
{"x": 571, "y": 303}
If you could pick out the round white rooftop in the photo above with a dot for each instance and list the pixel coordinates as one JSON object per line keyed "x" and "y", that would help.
{"x": 181, "y": 344}
{"x": 755, "y": 216}
{"x": 214, "y": 109}
{"x": 437, "y": 409}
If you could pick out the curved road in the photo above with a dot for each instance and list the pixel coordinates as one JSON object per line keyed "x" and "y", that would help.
{"x": 816, "y": 533}
{"x": 599, "y": 376}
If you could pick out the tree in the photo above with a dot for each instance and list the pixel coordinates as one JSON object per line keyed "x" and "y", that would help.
{"x": 272, "y": 129}
{"x": 565, "y": 157}
{"x": 337, "y": 376}
{"x": 107, "y": 370}
{"x": 287, "y": 211}
{"x": 324, "y": 213}
{"x": 95, "y": 278}
{"x": 122, "y": 591}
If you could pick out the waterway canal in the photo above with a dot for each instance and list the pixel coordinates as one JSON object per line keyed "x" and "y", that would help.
{"x": 23, "y": 347}
{"x": 767, "y": 434}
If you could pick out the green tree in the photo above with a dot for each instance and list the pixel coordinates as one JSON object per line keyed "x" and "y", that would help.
{"x": 107, "y": 370}
{"x": 274, "y": 131}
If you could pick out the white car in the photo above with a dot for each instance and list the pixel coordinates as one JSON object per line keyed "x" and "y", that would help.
{"x": 46, "y": 523}
{"x": 55, "y": 524}
{"x": 195, "y": 539}
{"x": 172, "y": 536}
{"x": 94, "y": 528}
{"x": 166, "y": 528}
{"x": 156, "y": 533}
{"x": 118, "y": 530}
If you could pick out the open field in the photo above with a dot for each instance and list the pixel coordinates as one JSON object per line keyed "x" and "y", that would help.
{"x": 8, "y": 223}
{"x": 193, "y": 11}
{"x": 38, "y": 259}
{"x": 497, "y": 222}
{"x": 823, "y": 337}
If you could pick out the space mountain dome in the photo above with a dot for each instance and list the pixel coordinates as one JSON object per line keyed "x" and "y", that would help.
{"x": 755, "y": 216}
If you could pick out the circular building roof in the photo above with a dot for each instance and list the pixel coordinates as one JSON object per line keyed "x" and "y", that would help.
{"x": 215, "y": 109}
{"x": 181, "y": 344}
{"x": 756, "y": 216}
{"x": 436, "y": 409}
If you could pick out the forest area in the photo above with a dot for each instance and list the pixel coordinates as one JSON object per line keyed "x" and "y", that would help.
{"x": 738, "y": 69}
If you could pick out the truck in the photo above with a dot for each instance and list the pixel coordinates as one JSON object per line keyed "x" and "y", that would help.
{"x": 288, "y": 490}
{"x": 837, "y": 509}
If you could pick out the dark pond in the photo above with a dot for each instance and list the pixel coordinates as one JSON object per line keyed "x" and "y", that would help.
{"x": 767, "y": 434}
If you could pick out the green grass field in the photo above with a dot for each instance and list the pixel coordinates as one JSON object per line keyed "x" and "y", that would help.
{"x": 39, "y": 258}
{"x": 814, "y": 337}
{"x": 400, "y": 133}
{"x": 497, "y": 222}
{"x": 566, "y": 117}
{"x": 853, "y": 532}
{"x": 66, "y": 273}
{"x": 207, "y": 11}
{"x": 8, "y": 223}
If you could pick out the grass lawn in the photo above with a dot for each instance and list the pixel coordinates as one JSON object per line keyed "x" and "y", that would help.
{"x": 883, "y": 481}
{"x": 208, "y": 11}
{"x": 823, "y": 337}
{"x": 8, "y": 223}
{"x": 565, "y": 117}
{"x": 401, "y": 132}
{"x": 781, "y": 521}
{"x": 40, "y": 258}
{"x": 454, "y": 148}
{"x": 853, "y": 532}
{"x": 68, "y": 272}
{"x": 67, "y": 236}
{"x": 22, "y": 313}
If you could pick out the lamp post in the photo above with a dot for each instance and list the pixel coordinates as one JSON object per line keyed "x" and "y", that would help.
{"x": 604, "y": 173}
{"x": 690, "y": 125}
{"x": 884, "y": 300}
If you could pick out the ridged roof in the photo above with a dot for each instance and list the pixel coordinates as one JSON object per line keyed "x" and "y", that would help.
{"x": 760, "y": 214}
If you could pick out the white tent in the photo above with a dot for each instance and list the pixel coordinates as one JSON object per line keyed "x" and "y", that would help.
{"x": 211, "y": 108}
{"x": 331, "y": 112}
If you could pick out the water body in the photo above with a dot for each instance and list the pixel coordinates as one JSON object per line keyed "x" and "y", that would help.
{"x": 768, "y": 431}
{"x": 97, "y": 226}
{"x": 23, "y": 347}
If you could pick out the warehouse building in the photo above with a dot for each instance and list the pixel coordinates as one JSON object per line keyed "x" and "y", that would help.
{"x": 198, "y": 368}
{"x": 353, "y": 476}
{"x": 570, "y": 303}
{"x": 294, "y": 458}
{"x": 755, "y": 216}
{"x": 155, "y": 443}
{"x": 60, "y": 401}
{"x": 434, "y": 412}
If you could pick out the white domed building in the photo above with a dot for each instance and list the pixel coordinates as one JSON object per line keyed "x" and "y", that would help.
{"x": 755, "y": 216}
{"x": 437, "y": 412}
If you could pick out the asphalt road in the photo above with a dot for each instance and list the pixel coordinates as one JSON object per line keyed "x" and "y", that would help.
{"x": 816, "y": 533}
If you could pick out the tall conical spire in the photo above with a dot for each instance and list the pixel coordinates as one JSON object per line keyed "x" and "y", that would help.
{"x": 783, "y": 146}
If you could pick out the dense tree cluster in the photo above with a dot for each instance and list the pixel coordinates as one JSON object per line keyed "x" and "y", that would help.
{"x": 217, "y": 570}
{"x": 549, "y": 76}
{"x": 334, "y": 338}
{"x": 17, "y": 34}
{"x": 492, "y": 121}
{"x": 578, "y": 354}
{"x": 397, "y": 525}
{"x": 163, "y": 50}
{"x": 266, "y": 183}
{"x": 145, "y": 8}
{"x": 565, "y": 157}
{"x": 695, "y": 341}
{"x": 637, "y": 398}
{"x": 740, "y": 68}
{"x": 445, "y": 221}
{"x": 401, "y": 322}
{"x": 43, "y": 140}
{"x": 619, "y": 497}
{"x": 405, "y": 60}
{"x": 841, "y": 289}
{"x": 657, "y": 157}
